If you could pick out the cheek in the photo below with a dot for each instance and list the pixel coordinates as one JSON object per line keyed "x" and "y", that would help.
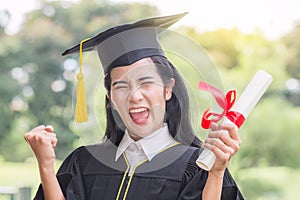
{"x": 116, "y": 100}
{"x": 157, "y": 97}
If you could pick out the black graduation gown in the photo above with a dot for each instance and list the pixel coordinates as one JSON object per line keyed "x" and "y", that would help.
{"x": 91, "y": 173}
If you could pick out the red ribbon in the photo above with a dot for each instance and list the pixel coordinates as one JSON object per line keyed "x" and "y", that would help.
{"x": 225, "y": 102}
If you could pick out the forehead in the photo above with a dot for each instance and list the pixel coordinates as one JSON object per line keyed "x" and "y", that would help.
{"x": 143, "y": 67}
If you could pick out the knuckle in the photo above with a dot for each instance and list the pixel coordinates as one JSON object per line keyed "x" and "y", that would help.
{"x": 36, "y": 137}
{"x": 239, "y": 141}
{"x": 217, "y": 142}
{"x": 224, "y": 134}
{"x": 235, "y": 149}
{"x": 41, "y": 127}
{"x": 231, "y": 127}
{"x": 208, "y": 140}
{"x": 237, "y": 145}
{"x": 212, "y": 134}
{"x": 231, "y": 151}
{"x": 212, "y": 141}
{"x": 209, "y": 146}
{"x": 27, "y": 135}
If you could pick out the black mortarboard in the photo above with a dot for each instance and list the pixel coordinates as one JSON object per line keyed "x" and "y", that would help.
{"x": 124, "y": 44}
{"x": 120, "y": 46}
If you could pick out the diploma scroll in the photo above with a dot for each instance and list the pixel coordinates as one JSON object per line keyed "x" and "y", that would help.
{"x": 244, "y": 105}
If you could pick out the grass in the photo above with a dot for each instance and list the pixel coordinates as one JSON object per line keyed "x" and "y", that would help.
{"x": 19, "y": 175}
{"x": 267, "y": 183}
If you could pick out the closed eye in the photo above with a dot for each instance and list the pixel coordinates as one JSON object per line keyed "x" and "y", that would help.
{"x": 120, "y": 85}
{"x": 147, "y": 82}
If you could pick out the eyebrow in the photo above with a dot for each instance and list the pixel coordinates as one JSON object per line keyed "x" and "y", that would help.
{"x": 145, "y": 78}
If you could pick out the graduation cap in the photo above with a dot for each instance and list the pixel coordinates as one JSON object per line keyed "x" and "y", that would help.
{"x": 120, "y": 46}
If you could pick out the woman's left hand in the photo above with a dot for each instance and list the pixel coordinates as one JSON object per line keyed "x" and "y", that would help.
{"x": 224, "y": 142}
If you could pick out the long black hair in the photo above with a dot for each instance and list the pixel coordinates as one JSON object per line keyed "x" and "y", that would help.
{"x": 177, "y": 108}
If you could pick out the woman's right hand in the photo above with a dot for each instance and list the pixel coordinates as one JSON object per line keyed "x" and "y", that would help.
{"x": 42, "y": 141}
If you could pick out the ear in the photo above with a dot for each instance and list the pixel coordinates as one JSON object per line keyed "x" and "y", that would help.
{"x": 169, "y": 89}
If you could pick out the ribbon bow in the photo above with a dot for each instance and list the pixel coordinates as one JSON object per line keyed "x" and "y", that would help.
{"x": 225, "y": 102}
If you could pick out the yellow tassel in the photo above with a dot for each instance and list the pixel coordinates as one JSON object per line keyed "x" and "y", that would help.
{"x": 81, "y": 107}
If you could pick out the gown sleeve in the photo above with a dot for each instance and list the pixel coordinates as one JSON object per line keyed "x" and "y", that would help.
{"x": 194, "y": 180}
{"x": 69, "y": 177}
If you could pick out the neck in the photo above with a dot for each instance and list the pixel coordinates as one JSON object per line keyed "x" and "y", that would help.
{"x": 135, "y": 137}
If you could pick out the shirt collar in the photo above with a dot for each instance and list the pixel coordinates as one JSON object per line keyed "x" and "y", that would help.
{"x": 151, "y": 145}
{"x": 125, "y": 142}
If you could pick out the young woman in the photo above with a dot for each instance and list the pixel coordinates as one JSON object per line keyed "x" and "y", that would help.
{"x": 150, "y": 149}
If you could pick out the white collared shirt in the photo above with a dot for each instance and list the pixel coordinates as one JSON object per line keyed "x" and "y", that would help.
{"x": 145, "y": 148}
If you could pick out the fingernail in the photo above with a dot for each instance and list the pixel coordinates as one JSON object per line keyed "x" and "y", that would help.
{"x": 49, "y": 128}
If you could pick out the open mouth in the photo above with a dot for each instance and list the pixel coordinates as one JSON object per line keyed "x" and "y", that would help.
{"x": 139, "y": 115}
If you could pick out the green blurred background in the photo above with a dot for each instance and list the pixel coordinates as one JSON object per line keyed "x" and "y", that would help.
{"x": 36, "y": 87}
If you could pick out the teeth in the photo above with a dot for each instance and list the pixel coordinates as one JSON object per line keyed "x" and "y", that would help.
{"x": 137, "y": 110}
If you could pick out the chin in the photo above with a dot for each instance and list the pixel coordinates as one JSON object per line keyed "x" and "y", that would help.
{"x": 140, "y": 131}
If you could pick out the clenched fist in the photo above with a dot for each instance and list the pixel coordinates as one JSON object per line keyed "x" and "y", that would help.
{"x": 42, "y": 141}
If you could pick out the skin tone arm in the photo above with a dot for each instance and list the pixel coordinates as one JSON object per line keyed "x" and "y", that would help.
{"x": 42, "y": 141}
{"x": 224, "y": 141}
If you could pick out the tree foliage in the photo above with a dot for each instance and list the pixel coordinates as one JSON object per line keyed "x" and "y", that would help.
{"x": 36, "y": 85}
{"x": 292, "y": 54}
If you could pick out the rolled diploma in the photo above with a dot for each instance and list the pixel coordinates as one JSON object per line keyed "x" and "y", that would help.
{"x": 244, "y": 105}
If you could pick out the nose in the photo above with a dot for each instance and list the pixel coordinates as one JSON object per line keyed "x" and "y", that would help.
{"x": 136, "y": 95}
